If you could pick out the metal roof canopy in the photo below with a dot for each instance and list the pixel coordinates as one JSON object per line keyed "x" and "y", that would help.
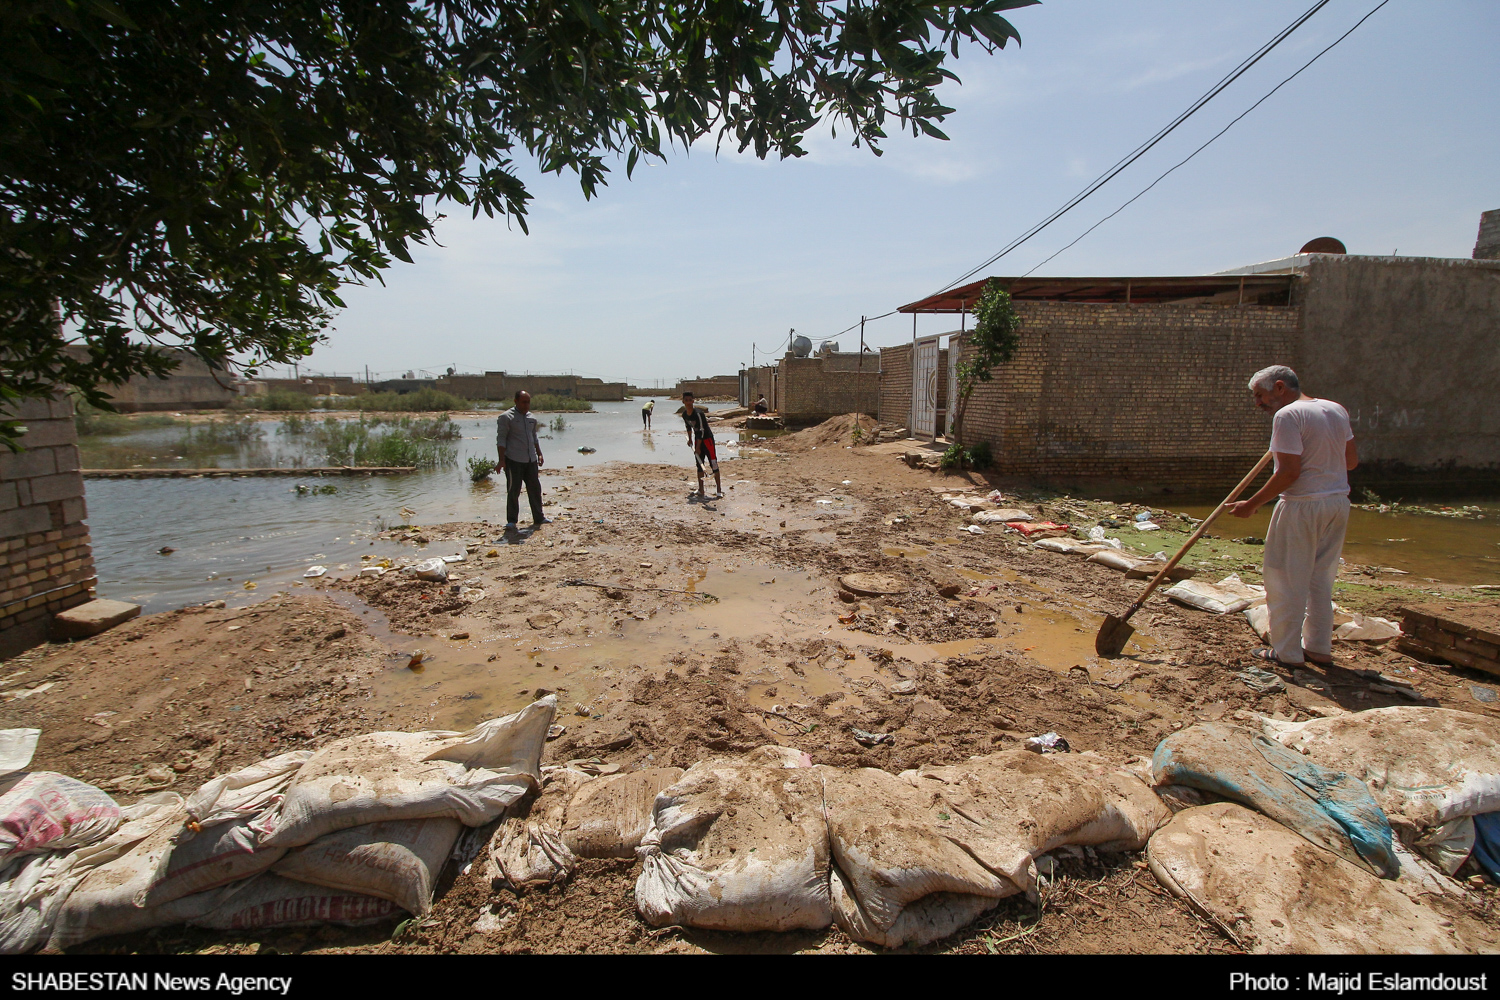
{"x": 1129, "y": 290}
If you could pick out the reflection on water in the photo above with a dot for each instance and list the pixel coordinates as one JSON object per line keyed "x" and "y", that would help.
{"x": 228, "y": 531}
{"x": 1454, "y": 550}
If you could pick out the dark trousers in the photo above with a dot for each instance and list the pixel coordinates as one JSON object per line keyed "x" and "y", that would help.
{"x": 517, "y": 473}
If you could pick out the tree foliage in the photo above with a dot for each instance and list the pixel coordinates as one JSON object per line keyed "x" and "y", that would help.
{"x": 209, "y": 173}
{"x": 997, "y": 333}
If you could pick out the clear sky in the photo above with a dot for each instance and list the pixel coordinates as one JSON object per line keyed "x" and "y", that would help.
{"x": 1389, "y": 143}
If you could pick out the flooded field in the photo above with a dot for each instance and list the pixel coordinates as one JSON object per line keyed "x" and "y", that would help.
{"x": 226, "y": 532}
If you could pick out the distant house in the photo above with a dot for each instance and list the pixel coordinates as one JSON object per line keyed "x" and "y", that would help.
{"x": 192, "y": 385}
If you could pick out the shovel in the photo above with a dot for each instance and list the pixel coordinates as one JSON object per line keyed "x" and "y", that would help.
{"x": 1116, "y": 630}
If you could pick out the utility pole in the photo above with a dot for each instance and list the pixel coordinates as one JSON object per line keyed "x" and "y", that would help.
{"x": 861, "y": 343}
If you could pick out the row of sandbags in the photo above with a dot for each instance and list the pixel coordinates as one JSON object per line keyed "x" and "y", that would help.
{"x": 351, "y": 833}
{"x": 1333, "y": 834}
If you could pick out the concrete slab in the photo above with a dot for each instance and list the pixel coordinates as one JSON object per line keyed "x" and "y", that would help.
{"x": 92, "y": 618}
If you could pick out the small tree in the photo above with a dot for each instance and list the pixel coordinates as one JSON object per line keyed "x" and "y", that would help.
{"x": 997, "y": 332}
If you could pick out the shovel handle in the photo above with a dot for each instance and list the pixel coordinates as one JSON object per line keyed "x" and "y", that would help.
{"x": 1197, "y": 534}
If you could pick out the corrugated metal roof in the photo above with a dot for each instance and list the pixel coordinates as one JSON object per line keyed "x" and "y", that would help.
{"x": 1134, "y": 290}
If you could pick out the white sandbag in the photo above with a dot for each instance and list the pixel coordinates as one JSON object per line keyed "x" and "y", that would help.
{"x": 1057, "y": 545}
{"x": 608, "y": 816}
{"x": 738, "y": 847}
{"x": 1115, "y": 560}
{"x": 399, "y": 861}
{"x": 1448, "y": 846}
{"x": 1426, "y": 765}
{"x": 117, "y": 872}
{"x": 1225, "y": 597}
{"x": 28, "y": 900}
{"x": 1259, "y": 618}
{"x": 245, "y": 793}
{"x": 381, "y": 777}
{"x": 898, "y": 878}
{"x": 1283, "y": 895}
{"x": 17, "y": 747}
{"x": 269, "y": 901}
{"x": 1000, "y": 516}
{"x": 210, "y": 857}
{"x": 528, "y": 850}
{"x": 1367, "y": 629}
{"x": 44, "y": 811}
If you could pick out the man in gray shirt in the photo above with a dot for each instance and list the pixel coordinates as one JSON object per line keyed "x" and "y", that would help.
{"x": 521, "y": 457}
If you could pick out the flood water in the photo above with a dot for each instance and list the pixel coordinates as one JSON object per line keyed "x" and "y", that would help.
{"x": 225, "y": 532}
{"x": 1451, "y": 549}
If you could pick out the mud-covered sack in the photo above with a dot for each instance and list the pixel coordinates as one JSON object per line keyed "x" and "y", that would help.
{"x": 1427, "y": 765}
{"x": 607, "y": 817}
{"x": 897, "y": 878}
{"x": 527, "y": 849}
{"x": 381, "y": 777}
{"x": 46, "y": 811}
{"x": 1330, "y": 808}
{"x": 1116, "y": 560}
{"x": 1282, "y": 895}
{"x": 737, "y": 847}
{"x": 269, "y": 901}
{"x": 399, "y": 860}
{"x": 210, "y": 857}
{"x": 1227, "y": 596}
{"x": 117, "y": 872}
{"x": 247, "y": 793}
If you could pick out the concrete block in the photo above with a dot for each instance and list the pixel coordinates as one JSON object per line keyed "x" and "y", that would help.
{"x": 44, "y": 433}
{"x": 24, "y": 520}
{"x": 74, "y": 510}
{"x": 8, "y": 498}
{"x": 26, "y": 464}
{"x": 92, "y": 618}
{"x": 26, "y": 410}
{"x": 62, "y": 408}
{"x": 64, "y": 486}
{"x": 66, "y": 458}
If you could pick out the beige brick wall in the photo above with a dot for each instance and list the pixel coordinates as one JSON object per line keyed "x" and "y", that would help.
{"x": 808, "y": 392}
{"x": 1150, "y": 394}
{"x": 895, "y": 385}
{"x": 46, "y": 562}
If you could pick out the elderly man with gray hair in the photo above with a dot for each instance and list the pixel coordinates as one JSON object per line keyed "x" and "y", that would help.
{"x": 1314, "y": 449}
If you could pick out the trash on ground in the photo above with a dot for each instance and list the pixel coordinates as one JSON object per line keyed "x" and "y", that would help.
{"x": 1367, "y": 629}
{"x": 1047, "y": 743}
{"x": 972, "y": 529}
{"x": 870, "y": 739}
{"x": 315, "y": 571}
{"x": 873, "y": 584}
{"x": 1032, "y": 530}
{"x": 429, "y": 569}
{"x": 1261, "y": 681}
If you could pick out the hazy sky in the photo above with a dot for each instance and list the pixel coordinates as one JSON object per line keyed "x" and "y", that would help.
{"x": 1388, "y": 143}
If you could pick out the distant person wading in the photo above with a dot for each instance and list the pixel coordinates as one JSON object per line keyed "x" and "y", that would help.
{"x": 520, "y": 450}
{"x": 1314, "y": 449}
{"x": 646, "y": 414}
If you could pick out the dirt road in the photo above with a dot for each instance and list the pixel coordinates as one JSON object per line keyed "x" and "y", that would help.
{"x": 673, "y": 629}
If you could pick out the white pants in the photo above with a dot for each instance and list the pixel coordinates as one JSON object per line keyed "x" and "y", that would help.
{"x": 1301, "y": 562}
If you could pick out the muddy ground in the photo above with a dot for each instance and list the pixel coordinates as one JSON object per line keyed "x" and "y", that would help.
{"x": 673, "y": 629}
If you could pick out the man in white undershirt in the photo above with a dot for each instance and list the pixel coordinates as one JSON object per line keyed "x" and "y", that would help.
{"x": 1314, "y": 449}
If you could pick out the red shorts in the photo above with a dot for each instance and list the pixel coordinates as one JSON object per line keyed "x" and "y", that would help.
{"x": 705, "y": 450}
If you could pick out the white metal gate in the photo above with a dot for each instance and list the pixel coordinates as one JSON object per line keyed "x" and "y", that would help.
{"x": 924, "y": 389}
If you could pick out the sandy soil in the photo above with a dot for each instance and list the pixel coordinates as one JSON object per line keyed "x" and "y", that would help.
{"x": 673, "y": 629}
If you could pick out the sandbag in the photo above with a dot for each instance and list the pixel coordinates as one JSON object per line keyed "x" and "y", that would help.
{"x": 1448, "y": 846}
{"x": 1330, "y": 808}
{"x": 269, "y": 901}
{"x": 382, "y": 777}
{"x": 118, "y": 871}
{"x": 1426, "y": 765}
{"x": 246, "y": 793}
{"x": 737, "y": 847}
{"x": 999, "y": 516}
{"x": 1115, "y": 559}
{"x": 45, "y": 811}
{"x": 528, "y": 850}
{"x": 1225, "y": 597}
{"x": 399, "y": 861}
{"x": 608, "y": 816}
{"x": 1281, "y": 895}
{"x": 901, "y": 874}
{"x": 208, "y": 858}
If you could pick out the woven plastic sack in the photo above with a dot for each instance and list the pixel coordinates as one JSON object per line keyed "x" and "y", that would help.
{"x": 528, "y": 850}
{"x": 208, "y": 858}
{"x": 737, "y": 847}
{"x": 46, "y": 811}
{"x": 246, "y": 793}
{"x": 381, "y": 777}
{"x": 399, "y": 861}
{"x": 269, "y": 901}
{"x": 1116, "y": 560}
{"x": 607, "y": 817}
{"x": 1225, "y": 597}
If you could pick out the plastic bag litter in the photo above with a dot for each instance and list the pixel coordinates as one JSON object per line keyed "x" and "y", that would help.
{"x": 45, "y": 811}
{"x": 381, "y": 777}
{"x": 1096, "y": 535}
{"x": 607, "y": 817}
{"x": 1147, "y": 526}
{"x": 1427, "y": 765}
{"x": 1487, "y": 844}
{"x": 1329, "y": 808}
{"x": 429, "y": 569}
{"x": 17, "y": 747}
{"x": 270, "y": 901}
{"x": 1259, "y": 618}
{"x": 972, "y": 529}
{"x": 398, "y": 861}
{"x": 1068, "y": 546}
{"x": 740, "y": 847}
{"x": 1281, "y": 895}
{"x": 1225, "y": 597}
{"x": 315, "y": 571}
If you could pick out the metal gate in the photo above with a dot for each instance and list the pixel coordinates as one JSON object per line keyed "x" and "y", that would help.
{"x": 924, "y": 389}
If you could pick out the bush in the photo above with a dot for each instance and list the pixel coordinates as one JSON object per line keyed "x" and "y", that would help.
{"x": 568, "y": 404}
{"x": 959, "y": 457}
{"x": 558, "y": 425}
{"x": 424, "y": 400}
{"x": 480, "y": 468}
{"x": 281, "y": 399}
{"x": 90, "y": 420}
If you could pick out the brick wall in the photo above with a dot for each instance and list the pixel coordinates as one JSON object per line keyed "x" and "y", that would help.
{"x": 1150, "y": 395}
{"x": 757, "y": 381}
{"x": 895, "y": 385}
{"x": 810, "y": 393}
{"x": 46, "y": 564}
{"x": 725, "y": 386}
{"x": 1487, "y": 246}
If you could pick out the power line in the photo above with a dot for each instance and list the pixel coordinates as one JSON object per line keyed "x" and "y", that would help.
{"x": 1145, "y": 147}
{"x": 1211, "y": 140}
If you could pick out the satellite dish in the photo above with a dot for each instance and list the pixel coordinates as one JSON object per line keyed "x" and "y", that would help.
{"x": 1323, "y": 244}
{"x": 801, "y": 347}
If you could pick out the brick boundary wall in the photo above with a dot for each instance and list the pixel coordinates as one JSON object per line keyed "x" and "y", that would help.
{"x": 811, "y": 393}
{"x": 1152, "y": 396}
{"x": 1487, "y": 244}
{"x": 895, "y": 385}
{"x": 48, "y": 563}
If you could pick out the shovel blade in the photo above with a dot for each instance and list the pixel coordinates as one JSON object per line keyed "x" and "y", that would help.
{"x": 1113, "y": 635}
